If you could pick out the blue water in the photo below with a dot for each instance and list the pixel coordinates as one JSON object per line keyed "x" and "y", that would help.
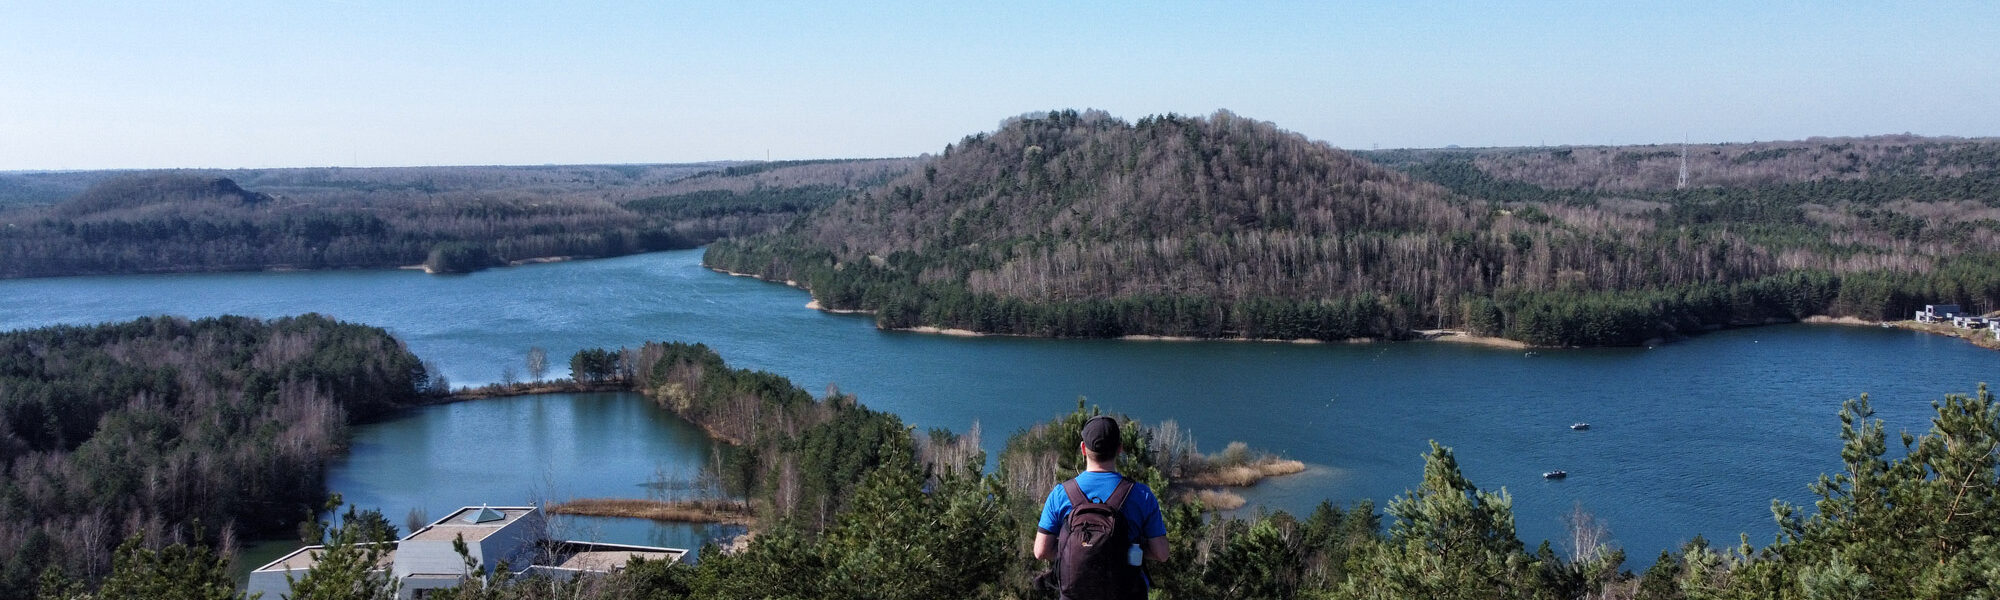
{"x": 1695, "y": 437}
{"x": 527, "y": 450}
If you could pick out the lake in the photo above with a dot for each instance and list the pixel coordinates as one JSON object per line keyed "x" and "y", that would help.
{"x": 1695, "y": 437}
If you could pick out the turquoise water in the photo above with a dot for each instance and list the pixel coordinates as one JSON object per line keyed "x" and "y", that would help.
{"x": 1690, "y": 438}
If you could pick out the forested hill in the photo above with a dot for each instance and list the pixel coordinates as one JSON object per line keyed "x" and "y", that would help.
{"x": 177, "y": 430}
{"x": 452, "y": 219}
{"x": 1080, "y": 224}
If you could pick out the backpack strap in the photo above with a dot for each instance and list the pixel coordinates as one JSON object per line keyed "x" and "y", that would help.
{"x": 1117, "y": 499}
{"x": 1076, "y": 497}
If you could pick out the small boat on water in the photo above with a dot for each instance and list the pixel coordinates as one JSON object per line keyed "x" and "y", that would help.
{"x": 1555, "y": 474}
{"x": 1579, "y": 426}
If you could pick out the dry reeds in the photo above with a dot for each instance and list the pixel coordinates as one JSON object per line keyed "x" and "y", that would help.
{"x": 1244, "y": 474}
{"x": 1219, "y": 500}
{"x": 677, "y": 511}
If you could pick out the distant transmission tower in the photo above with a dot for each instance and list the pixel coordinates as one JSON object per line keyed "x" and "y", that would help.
{"x": 1684, "y": 167}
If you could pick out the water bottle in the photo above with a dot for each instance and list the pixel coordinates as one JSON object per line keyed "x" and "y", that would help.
{"x": 1134, "y": 555}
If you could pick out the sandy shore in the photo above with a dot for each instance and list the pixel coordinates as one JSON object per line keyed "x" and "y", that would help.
{"x": 1436, "y": 335}
{"x": 944, "y": 331}
{"x": 540, "y": 260}
{"x": 1978, "y": 337}
{"x": 1826, "y": 320}
{"x": 1460, "y": 337}
{"x": 1188, "y": 338}
{"x": 838, "y": 311}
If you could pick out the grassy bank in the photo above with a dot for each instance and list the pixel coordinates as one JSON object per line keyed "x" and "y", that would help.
{"x": 1979, "y": 337}
{"x": 673, "y": 511}
{"x": 557, "y": 386}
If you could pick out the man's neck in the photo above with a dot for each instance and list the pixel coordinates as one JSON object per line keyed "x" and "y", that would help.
{"x": 1091, "y": 465}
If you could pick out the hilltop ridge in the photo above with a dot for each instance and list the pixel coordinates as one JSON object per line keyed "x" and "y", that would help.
{"x": 1078, "y": 224}
{"x": 453, "y": 219}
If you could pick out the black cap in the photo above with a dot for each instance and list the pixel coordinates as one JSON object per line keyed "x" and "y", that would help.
{"x": 1100, "y": 435}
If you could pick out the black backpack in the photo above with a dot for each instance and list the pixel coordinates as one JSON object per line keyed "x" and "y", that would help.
{"x": 1091, "y": 549}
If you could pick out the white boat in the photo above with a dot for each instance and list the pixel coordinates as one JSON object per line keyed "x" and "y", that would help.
{"x": 1579, "y": 426}
{"x": 1555, "y": 474}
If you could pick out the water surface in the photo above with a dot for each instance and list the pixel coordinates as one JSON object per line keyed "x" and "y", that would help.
{"x": 1690, "y": 438}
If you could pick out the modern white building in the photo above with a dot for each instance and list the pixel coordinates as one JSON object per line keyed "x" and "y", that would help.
{"x": 1933, "y": 313}
{"x": 425, "y": 560}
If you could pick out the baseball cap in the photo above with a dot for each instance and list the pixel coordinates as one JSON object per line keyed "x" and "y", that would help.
{"x": 1100, "y": 435}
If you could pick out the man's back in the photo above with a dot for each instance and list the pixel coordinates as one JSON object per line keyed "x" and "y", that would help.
{"x": 1095, "y": 559}
{"x": 1141, "y": 508}
{"x": 1137, "y": 531}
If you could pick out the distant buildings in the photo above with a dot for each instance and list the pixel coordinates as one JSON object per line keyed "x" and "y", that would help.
{"x": 1933, "y": 313}
{"x": 1941, "y": 313}
{"x": 424, "y": 560}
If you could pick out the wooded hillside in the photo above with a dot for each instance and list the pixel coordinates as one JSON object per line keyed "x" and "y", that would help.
{"x": 152, "y": 426}
{"x": 450, "y": 218}
{"x": 1080, "y": 224}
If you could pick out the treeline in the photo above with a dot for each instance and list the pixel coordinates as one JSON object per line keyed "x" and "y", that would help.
{"x": 448, "y": 220}
{"x": 1564, "y": 318}
{"x": 107, "y": 230}
{"x": 1080, "y": 225}
{"x": 1625, "y": 169}
{"x": 795, "y": 457}
{"x": 177, "y": 431}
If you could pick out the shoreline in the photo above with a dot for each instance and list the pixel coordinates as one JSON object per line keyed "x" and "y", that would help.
{"x": 1457, "y": 336}
{"x": 1451, "y": 337}
{"x": 531, "y": 388}
{"x": 1448, "y": 336}
{"x": 1215, "y": 486}
{"x": 787, "y": 283}
{"x": 814, "y": 305}
{"x": 1978, "y": 337}
{"x": 1826, "y": 320}
{"x": 539, "y": 260}
{"x": 544, "y": 260}
{"x": 679, "y": 511}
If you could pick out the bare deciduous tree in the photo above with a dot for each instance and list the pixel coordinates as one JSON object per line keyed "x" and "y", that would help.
{"x": 538, "y": 363}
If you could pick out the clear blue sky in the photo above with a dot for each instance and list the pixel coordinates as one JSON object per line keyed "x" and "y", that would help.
{"x": 258, "y": 84}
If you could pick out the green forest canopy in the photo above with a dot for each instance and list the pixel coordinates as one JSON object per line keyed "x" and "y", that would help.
{"x": 191, "y": 431}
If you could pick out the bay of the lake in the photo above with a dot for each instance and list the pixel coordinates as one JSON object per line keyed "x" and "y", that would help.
{"x": 1694, "y": 437}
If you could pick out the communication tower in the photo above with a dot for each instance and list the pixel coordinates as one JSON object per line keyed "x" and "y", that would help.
{"x": 1683, "y": 184}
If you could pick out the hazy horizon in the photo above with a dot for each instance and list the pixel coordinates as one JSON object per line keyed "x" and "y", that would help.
{"x": 940, "y": 146}
{"x": 374, "y": 84}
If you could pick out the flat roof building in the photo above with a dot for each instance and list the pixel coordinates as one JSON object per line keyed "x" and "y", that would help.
{"x": 514, "y": 535}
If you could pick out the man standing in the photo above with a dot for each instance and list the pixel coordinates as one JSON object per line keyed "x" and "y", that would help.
{"x": 1097, "y": 526}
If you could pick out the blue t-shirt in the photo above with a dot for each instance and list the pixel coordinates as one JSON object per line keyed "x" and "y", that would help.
{"x": 1142, "y": 508}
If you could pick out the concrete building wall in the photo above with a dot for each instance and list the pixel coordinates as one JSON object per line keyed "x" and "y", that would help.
{"x": 271, "y": 584}
{"x": 429, "y": 557}
{"x": 515, "y": 544}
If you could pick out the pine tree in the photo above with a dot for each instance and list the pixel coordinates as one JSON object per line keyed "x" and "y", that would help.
{"x": 1449, "y": 540}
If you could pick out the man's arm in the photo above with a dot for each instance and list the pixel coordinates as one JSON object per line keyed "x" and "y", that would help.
{"x": 1154, "y": 530}
{"x": 1156, "y": 549}
{"x": 1045, "y": 546}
